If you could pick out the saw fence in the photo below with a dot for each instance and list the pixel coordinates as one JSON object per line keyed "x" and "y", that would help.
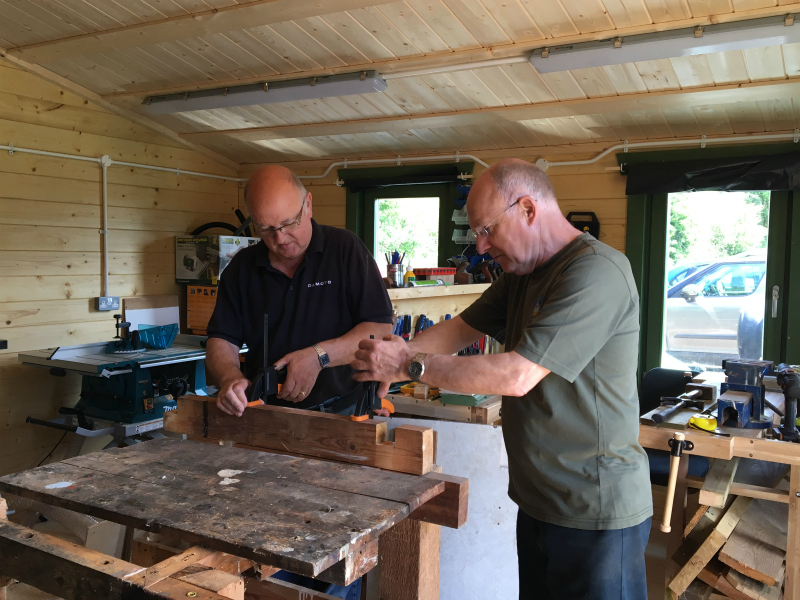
{"x": 279, "y": 489}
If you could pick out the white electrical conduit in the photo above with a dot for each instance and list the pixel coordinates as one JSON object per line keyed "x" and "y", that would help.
{"x": 703, "y": 141}
{"x": 106, "y": 161}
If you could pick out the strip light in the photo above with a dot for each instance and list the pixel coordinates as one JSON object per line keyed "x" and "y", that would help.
{"x": 740, "y": 35}
{"x": 309, "y": 88}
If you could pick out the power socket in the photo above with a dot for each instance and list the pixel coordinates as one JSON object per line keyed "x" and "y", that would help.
{"x": 107, "y": 303}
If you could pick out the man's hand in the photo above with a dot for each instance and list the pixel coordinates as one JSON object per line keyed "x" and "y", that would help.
{"x": 385, "y": 361}
{"x": 302, "y": 369}
{"x": 232, "y": 397}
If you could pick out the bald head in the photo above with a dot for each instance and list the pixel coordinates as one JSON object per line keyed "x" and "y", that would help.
{"x": 513, "y": 177}
{"x": 271, "y": 178}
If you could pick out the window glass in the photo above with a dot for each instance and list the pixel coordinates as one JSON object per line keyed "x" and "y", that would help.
{"x": 732, "y": 280}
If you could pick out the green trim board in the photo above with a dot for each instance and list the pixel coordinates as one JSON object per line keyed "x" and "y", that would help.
{"x": 646, "y": 249}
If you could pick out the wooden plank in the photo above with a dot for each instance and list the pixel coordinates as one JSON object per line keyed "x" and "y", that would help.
{"x": 714, "y": 575}
{"x": 292, "y": 525}
{"x": 354, "y": 565}
{"x": 73, "y": 572}
{"x": 409, "y": 561}
{"x": 272, "y": 589}
{"x": 448, "y": 509}
{"x": 259, "y": 13}
{"x": 310, "y": 434}
{"x": 793, "y": 536}
{"x": 710, "y": 546}
{"x": 753, "y": 588}
{"x": 169, "y": 566}
{"x": 172, "y": 456}
{"x": 718, "y": 482}
{"x": 757, "y": 547}
{"x": 222, "y": 583}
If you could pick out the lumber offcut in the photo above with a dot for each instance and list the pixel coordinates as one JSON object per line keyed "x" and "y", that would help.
{"x": 757, "y": 546}
{"x": 718, "y": 482}
{"x": 718, "y": 536}
{"x": 294, "y": 431}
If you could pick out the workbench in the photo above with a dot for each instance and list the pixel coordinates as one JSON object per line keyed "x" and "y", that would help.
{"x": 727, "y": 448}
{"x": 240, "y": 507}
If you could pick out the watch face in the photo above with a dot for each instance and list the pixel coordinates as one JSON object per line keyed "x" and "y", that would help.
{"x": 324, "y": 360}
{"x": 415, "y": 370}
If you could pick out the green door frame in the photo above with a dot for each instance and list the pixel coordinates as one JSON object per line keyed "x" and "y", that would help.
{"x": 360, "y": 218}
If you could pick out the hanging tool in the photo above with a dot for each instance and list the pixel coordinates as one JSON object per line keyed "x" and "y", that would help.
{"x": 789, "y": 381}
{"x": 268, "y": 379}
{"x": 677, "y": 445}
{"x": 688, "y": 400}
{"x": 369, "y": 401}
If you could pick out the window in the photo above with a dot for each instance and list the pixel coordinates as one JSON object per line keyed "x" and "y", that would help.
{"x": 409, "y": 226}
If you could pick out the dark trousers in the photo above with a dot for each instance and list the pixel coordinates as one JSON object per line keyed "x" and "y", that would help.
{"x": 562, "y": 563}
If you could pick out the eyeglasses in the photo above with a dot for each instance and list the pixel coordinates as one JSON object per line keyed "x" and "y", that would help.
{"x": 479, "y": 232}
{"x": 288, "y": 226}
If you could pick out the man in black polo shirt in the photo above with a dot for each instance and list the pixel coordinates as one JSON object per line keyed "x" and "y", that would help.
{"x": 321, "y": 289}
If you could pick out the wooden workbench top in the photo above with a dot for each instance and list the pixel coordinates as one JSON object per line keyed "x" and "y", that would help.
{"x": 298, "y": 514}
{"x": 437, "y": 291}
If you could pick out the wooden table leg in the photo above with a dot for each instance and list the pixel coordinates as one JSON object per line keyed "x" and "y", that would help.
{"x": 4, "y": 581}
{"x": 409, "y": 561}
{"x": 792, "y": 581}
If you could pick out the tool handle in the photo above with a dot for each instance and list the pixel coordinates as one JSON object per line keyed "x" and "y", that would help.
{"x": 62, "y": 426}
{"x": 674, "y": 463}
{"x": 665, "y": 414}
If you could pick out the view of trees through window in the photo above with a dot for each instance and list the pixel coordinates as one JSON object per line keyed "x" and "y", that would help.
{"x": 716, "y": 287}
{"x": 410, "y": 226}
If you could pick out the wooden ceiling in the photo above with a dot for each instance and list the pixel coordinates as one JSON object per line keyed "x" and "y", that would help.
{"x": 442, "y": 94}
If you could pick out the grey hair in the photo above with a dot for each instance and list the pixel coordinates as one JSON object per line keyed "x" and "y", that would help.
{"x": 290, "y": 177}
{"x": 515, "y": 178}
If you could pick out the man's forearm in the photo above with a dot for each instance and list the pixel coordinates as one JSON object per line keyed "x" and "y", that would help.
{"x": 341, "y": 350}
{"x": 506, "y": 374}
{"x": 222, "y": 361}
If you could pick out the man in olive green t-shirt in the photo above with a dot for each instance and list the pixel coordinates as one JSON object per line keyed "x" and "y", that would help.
{"x": 568, "y": 310}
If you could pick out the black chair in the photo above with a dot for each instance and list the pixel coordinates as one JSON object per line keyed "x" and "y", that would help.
{"x": 656, "y": 383}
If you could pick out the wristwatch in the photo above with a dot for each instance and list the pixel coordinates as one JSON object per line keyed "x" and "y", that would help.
{"x": 417, "y": 366}
{"x": 324, "y": 359}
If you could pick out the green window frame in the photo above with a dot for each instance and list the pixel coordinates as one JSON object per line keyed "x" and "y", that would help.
{"x": 360, "y": 203}
{"x": 646, "y": 249}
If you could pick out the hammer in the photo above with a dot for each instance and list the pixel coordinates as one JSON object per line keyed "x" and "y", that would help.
{"x": 691, "y": 399}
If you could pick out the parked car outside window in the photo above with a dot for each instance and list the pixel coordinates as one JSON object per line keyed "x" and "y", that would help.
{"x": 717, "y": 312}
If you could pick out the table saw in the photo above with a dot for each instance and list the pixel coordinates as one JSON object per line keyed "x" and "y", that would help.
{"x": 127, "y": 393}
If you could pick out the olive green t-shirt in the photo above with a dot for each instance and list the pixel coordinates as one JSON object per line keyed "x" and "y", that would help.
{"x": 573, "y": 452}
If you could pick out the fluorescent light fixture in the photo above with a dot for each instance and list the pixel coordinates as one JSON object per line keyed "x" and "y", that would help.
{"x": 753, "y": 33}
{"x": 309, "y": 88}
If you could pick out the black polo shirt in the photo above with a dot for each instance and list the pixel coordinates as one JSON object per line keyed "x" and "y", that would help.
{"x": 336, "y": 287}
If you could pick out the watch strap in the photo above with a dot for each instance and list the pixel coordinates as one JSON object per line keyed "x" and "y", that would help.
{"x": 324, "y": 360}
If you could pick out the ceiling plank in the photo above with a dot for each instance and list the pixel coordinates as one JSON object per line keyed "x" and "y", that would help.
{"x": 123, "y": 112}
{"x": 456, "y": 59}
{"x": 731, "y": 94}
{"x": 240, "y": 16}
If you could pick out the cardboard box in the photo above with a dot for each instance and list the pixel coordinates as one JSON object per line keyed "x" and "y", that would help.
{"x": 200, "y": 303}
{"x": 201, "y": 259}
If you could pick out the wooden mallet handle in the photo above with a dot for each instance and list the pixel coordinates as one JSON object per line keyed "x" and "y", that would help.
{"x": 677, "y": 443}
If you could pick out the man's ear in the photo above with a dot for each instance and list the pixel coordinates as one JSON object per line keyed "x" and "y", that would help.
{"x": 308, "y": 204}
{"x": 529, "y": 207}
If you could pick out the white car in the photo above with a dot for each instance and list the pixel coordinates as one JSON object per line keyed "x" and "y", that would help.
{"x": 703, "y": 311}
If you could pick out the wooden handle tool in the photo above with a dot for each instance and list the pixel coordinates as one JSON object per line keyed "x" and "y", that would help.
{"x": 677, "y": 444}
